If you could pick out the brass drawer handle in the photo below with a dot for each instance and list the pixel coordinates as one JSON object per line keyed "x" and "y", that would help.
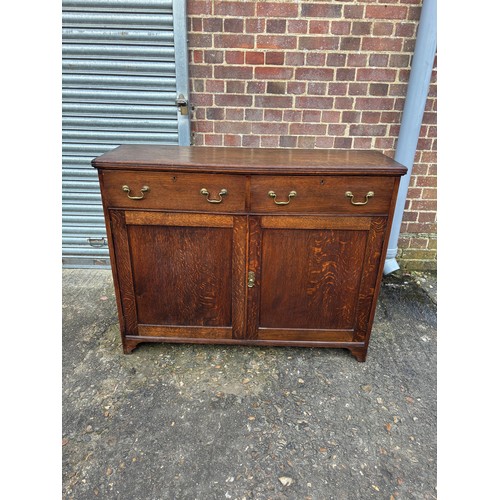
{"x": 368, "y": 195}
{"x": 144, "y": 190}
{"x": 291, "y": 195}
{"x": 206, "y": 193}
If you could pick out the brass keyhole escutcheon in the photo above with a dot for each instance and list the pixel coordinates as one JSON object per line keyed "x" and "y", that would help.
{"x": 251, "y": 279}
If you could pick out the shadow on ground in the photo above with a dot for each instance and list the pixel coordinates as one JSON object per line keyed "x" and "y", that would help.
{"x": 216, "y": 422}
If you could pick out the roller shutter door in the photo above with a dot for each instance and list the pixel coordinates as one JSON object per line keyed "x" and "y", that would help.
{"x": 124, "y": 64}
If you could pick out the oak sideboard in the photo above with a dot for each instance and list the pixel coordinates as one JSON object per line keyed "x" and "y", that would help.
{"x": 253, "y": 246}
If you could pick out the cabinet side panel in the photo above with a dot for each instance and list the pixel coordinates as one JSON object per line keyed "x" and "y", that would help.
{"x": 124, "y": 271}
{"x": 385, "y": 244}
{"x": 182, "y": 275}
{"x": 112, "y": 256}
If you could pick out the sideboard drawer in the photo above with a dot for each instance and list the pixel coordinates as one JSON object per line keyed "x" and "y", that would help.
{"x": 174, "y": 191}
{"x": 321, "y": 194}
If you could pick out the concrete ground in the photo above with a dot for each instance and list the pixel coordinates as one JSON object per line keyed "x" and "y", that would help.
{"x": 215, "y": 422}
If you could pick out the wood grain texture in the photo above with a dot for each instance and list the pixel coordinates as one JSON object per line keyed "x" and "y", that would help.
{"x": 200, "y": 332}
{"x": 315, "y": 222}
{"x": 383, "y": 253}
{"x": 310, "y": 278}
{"x": 112, "y": 256}
{"x": 254, "y": 265}
{"x": 172, "y": 219}
{"x": 321, "y": 194}
{"x": 124, "y": 271}
{"x": 182, "y": 275}
{"x": 133, "y": 341}
{"x": 297, "y": 334}
{"x": 249, "y": 160}
{"x": 181, "y": 264}
{"x": 239, "y": 284}
{"x": 175, "y": 191}
{"x": 372, "y": 261}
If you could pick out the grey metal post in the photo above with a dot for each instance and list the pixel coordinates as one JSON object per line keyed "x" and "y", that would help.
{"x": 416, "y": 97}
{"x": 181, "y": 68}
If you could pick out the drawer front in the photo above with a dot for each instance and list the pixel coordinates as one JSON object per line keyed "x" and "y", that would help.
{"x": 321, "y": 194}
{"x": 174, "y": 191}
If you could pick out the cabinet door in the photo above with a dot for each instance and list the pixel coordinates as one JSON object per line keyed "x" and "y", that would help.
{"x": 180, "y": 275}
{"x": 315, "y": 277}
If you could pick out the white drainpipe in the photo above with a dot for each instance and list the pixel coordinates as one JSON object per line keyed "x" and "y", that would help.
{"x": 416, "y": 97}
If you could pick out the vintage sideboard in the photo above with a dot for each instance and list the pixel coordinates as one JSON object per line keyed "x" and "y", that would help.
{"x": 260, "y": 246}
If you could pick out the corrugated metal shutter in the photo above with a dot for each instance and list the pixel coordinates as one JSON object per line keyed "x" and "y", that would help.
{"x": 119, "y": 86}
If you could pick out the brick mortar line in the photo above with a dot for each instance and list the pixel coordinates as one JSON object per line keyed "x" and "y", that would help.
{"x": 295, "y": 51}
{"x": 431, "y": 236}
{"x": 255, "y": 47}
{"x": 287, "y": 32}
{"x": 300, "y": 17}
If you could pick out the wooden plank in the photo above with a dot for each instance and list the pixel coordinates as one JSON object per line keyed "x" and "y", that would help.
{"x": 133, "y": 341}
{"x": 313, "y": 222}
{"x": 296, "y": 334}
{"x": 239, "y": 285}
{"x": 124, "y": 271}
{"x": 253, "y": 265}
{"x": 249, "y": 160}
{"x": 177, "y": 219}
{"x": 371, "y": 267}
{"x": 185, "y": 332}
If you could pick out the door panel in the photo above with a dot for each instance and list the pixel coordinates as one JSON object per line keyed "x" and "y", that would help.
{"x": 304, "y": 283}
{"x": 186, "y": 276}
{"x": 182, "y": 275}
{"x": 314, "y": 278}
{"x": 188, "y": 273}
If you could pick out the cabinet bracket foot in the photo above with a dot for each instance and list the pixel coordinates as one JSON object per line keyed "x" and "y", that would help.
{"x": 130, "y": 345}
{"x": 359, "y": 353}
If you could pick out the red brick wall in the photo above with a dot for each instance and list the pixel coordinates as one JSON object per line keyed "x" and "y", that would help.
{"x": 315, "y": 74}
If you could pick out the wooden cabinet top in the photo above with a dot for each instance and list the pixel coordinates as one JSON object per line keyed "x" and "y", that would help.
{"x": 249, "y": 160}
